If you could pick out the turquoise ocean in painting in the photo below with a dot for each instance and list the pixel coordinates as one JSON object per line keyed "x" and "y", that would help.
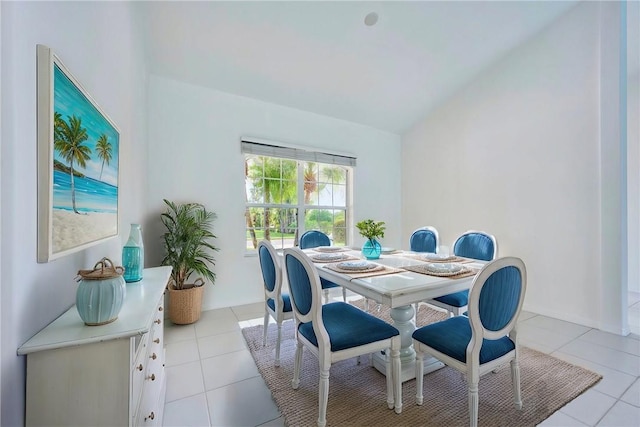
{"x": 97, "y": 191}
{"x": 91, "y": 195}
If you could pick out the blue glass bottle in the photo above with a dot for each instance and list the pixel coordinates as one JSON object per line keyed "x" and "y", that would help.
{"x": 133, "y": 255}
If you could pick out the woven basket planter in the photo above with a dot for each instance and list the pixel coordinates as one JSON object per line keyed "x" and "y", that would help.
{"x": 185, "y": 304}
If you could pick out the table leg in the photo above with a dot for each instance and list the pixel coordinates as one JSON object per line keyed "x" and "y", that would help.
{"x": 403, "y": 321}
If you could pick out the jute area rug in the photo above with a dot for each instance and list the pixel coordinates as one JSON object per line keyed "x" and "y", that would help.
{"x": 357, "y": 391}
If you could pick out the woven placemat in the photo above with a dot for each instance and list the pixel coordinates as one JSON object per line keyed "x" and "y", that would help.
{"x": 357, "y": 393}
{"x": 378, "y": 271}
{"x": 422, "y": 269}
{"x": 421, "y": 257}
{"x": 317, "y": 258}
{"x": 331, "y": 249}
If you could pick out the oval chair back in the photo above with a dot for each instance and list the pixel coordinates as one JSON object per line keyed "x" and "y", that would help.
{"x": 470, "y": 244}
{"x": 495, "y": 301}
{"x": 424, "y": 239}
{"x": 313, "y": 239}
{"x": 276, "y": 304}
{"x": 484, "y": 341}
{"x": 271, "y": 272}
{"x": 477, "y": 245}
{"x": 336, "y": 332}
{"x": 305, "y": 289}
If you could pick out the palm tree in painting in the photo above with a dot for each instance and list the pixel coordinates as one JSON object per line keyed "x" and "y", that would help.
{"x": 104, "y": 151}
{"x": 69, "y": 140}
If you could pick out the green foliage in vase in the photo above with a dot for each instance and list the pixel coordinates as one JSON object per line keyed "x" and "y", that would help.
{"x": 371, "y": 229}
{"x": 187, "y": 241}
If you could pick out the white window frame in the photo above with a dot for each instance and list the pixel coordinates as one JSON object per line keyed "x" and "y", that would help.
{"x": 265, "y": 148}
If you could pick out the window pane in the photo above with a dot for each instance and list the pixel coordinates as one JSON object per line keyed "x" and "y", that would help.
{"x": 310, "y": 183}
{"x": 272, "y": 191}
{"x": 274, "y": 224}
{"x": 319, "y": 219}
{"x": 253, "y": 180}
{"x": 255, "y": 230}
{"x": 283, "y": 233}
{"x": 325, "y": 195}
{"x": 289, "y": 189}
{"x": 339, "y": 228}
{"x": 339, "y": 195}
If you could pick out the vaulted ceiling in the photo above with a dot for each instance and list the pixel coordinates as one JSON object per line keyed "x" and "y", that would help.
{"x": 322, "y": 58}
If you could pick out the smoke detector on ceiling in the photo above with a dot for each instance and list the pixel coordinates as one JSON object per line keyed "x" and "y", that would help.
{"x": 371, "y": 19}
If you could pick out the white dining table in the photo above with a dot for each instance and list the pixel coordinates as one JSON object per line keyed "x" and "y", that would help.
{"x": 399, "y": 291}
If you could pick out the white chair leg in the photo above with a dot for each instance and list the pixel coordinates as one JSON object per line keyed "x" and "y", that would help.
{"x": 515, "y": 379}
{"x": 396, "y": 372}
{"x": 277, "y": 361}
{"x": 323, "y": 397}
{"x": 473, "y": 404}
{"x": 419, "y": 376}
{"x": 296, "y": 366}
{"x": 390, "y": 379}
{"x": 266, "y": 325}
{"x": 325, "y": 292}
{"x": 366, "y": 304}
{"x": 415, "y": 313}
{"x": 344, "y": 294}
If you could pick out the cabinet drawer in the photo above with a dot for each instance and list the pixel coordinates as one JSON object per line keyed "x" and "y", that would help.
{"x": 151, "y": 405}
{"x": 138, "y": 370}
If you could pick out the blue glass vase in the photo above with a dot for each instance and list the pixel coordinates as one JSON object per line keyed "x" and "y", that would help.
{"x": 133, "y": 255}
{"x": 371, "y": 249}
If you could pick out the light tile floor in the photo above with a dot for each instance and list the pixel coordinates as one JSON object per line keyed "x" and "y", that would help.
{"x": 213, "y": 381}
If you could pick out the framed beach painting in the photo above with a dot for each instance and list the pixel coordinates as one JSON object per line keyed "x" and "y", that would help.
{"x": 78, "y": 152}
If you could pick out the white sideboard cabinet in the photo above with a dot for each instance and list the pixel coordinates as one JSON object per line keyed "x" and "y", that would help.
{"x": 109, "y": 375}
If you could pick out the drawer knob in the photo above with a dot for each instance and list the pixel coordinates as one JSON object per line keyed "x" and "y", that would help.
{"x": 140, "y": 368}
{"x": 160, "y": 308}
{"x": 153, "y": 356}
{"x": 150, "y": 416}
{"x": 158, "y": 321}
{"x": 152, "y": 377}
{"x": 157, "y": 341}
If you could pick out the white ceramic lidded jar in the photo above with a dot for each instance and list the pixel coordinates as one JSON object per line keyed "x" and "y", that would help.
{"x": 100, "y": 293}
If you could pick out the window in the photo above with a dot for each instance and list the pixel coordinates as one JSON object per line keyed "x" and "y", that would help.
{"x": 289, "y": 191}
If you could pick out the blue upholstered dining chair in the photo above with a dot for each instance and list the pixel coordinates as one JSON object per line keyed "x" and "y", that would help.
{"x": 470, "y": 244}
{"x": 424, "y": 239}
{"x": 313, "y": 239}
{"x": 276, "y": 304}
{"x": 335, "y": 332}
{"x": 487, "y": 338}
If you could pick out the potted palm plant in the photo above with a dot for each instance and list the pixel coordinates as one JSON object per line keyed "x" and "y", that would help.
{"x": 372, "y": 230}
{"x": 188, "y": 250}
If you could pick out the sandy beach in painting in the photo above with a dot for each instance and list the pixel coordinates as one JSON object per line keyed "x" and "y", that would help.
{"x": 71, "y": 229}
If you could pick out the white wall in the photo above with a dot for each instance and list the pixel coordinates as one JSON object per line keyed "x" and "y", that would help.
{"x": 98, "y": 42}
{"x": 194, "y": 155}
{"x": 633, "y": 169}
{"x": 633, "y": 142}
{"x": 0, "y": 206}
{"x": 517, "y": 153}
